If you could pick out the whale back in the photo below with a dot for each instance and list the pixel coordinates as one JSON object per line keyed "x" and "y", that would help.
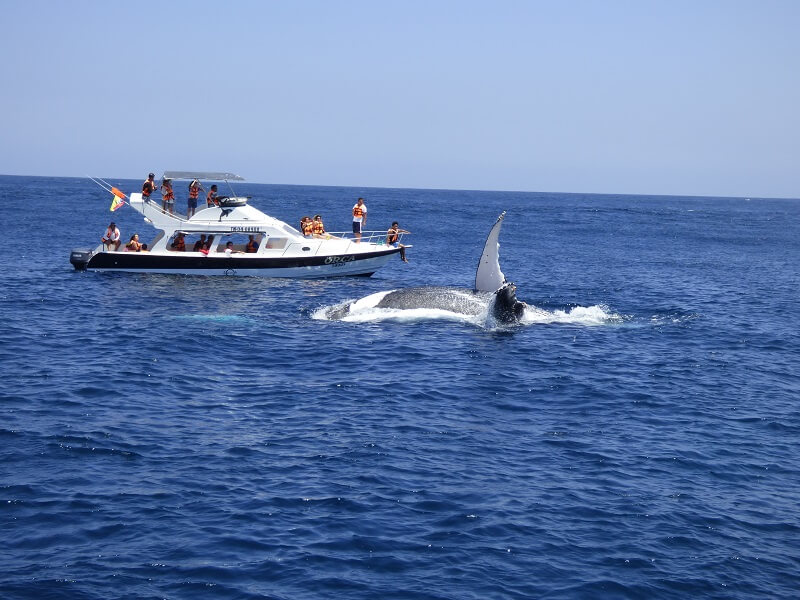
{"x": 489, "y": 277}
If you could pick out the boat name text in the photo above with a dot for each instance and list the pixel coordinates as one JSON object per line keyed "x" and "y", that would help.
{"x": 244, "y": 228}
{"x": 339, "y": 260}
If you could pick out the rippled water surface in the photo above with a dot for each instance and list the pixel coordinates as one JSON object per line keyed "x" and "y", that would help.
{"x": 182, "y": 437}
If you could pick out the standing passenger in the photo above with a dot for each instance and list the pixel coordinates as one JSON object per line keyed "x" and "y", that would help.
{"x": 359, "y": 218}
{"x": 148, "y": 187}
{"x": 211, "y": 197}
{"x": 167, "y": 196}
{"x": 194, "y": 192}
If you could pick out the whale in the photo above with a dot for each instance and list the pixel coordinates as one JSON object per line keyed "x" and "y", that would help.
{"x": 491, "y": 294}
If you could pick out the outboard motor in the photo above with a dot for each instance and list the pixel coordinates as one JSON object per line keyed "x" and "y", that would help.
{"x": 79, "y": 258}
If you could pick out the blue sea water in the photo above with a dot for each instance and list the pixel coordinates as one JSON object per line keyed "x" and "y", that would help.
{"x": 638, "y": 436}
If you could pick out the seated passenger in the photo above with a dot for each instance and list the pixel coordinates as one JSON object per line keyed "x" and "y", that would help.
{"x": 393, "y": 237}
{"x": 307, "y": 226}
{"x": 133, "y": 245}
{"x": 317, "y": 228}
{"x": 229, "y": 249}
{"x": 199, "y": 244}
{"x": 179, "y": 245}
{"x": 144, "y": 247}
{"x": 111, "y": 238}
{"x": 252, "y": 245}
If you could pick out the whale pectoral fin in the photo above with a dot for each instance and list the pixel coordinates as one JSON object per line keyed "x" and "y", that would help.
{"x": 489, "y": 277}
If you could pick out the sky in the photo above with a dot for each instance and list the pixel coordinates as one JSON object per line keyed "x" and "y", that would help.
{"x": 673, "y": 97}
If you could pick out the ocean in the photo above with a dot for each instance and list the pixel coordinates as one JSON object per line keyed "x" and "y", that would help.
{"x": 637, "y": 436}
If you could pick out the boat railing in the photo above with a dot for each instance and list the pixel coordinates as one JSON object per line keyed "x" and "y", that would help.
{"x": 370, "y": 237}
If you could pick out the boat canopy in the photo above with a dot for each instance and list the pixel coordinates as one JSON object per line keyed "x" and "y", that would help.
{"x": 204, "y": 175}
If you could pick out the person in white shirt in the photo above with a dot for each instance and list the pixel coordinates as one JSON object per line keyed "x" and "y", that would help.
{"x": 111, "y": 238}
{"x": 359, "y": 218}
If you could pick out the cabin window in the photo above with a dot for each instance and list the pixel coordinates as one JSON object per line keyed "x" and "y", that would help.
{"x": 240, "y": 241}
{"x": 276, "y": 243}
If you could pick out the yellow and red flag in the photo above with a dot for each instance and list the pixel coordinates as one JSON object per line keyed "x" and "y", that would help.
{"x": 117, "y": 202}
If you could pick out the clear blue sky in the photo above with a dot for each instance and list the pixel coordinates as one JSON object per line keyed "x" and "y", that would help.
{"x": 663, "y": 97}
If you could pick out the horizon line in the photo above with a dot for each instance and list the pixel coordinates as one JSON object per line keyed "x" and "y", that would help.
{"x": 509, "y": 191}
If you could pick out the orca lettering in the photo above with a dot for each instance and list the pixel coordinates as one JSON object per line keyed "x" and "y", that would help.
{"x": 244, "y": 228}
{"x": 339, "y": 260}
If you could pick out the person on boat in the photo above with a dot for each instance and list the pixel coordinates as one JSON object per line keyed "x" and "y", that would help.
{"x": 194, "y": 193}
{"x": 144, "y": 248}
{"x": 229, "y": 249}
{"x": 317, "y": 228}
{"x": 167, "y": 196}
{"x": 359, "y": 218}
{"x": 252, "y": 245}
{"x": 133, "y": 245}
{"x": 111, "y": 238}
{"x": 148, "y": 187}
{"x": 199, "y": 244}
{"x": 307, "y": 226}
{"x": 393, "y": 239}
{"x": 211, "y": 197}
{"x": 179, "y": 245}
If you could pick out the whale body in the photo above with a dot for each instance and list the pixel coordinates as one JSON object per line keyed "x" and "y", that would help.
{"x": 492, "y": 294}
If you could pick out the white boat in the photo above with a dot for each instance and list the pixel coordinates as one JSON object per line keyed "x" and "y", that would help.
{"x": 281, "y": 250}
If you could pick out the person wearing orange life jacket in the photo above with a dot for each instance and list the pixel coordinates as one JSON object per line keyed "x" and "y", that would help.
{"x": 393, "y": 239}
{"x": 179, "y": 245}
{"x": 211, "y": 197}
{"x": 194, "y": 192}
{"x": 148, "y": 187}
{"x": 252, "y": 245}
{"x": 359, "y": 218}
{"x": 111, "y": 238}
{"x": 167, "y": 196}
{"x": 317, "y": 228}
{"x": 307, "y": 226}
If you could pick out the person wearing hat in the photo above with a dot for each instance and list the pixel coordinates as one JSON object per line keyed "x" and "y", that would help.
{"x": 167, "y": 196}
{"x": 194, "y": 192}
{"x": 111, "y": 238}
{"x": 148, "y": 187}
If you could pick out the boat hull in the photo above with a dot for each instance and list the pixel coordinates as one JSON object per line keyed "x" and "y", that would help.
{"x": 301, "y": 267}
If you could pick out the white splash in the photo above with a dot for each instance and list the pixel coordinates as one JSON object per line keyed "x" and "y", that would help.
{"x": 365, "y": 310}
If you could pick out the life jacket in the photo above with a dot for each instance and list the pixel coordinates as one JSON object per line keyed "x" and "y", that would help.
{"x": 147, "y": 188}
{"x": 211, "y": 198}
{"x": 252, "y": 246}
{"x": 308, "y": 228}
{"x": 391, "y": 236}
{"x": 317, "y": 227}
{"x": 194, "y": 191}
{"x": 358, "y": 211}
{"x": 167, "y": 193}
{"x": 179, "y": 244}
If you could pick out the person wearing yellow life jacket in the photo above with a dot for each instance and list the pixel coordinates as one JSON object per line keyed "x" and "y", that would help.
{"x": 194, "y": 193}
{"x": 252, "y": 245}
{"x": 167, "y": 196}
{"x": 393, "y": 239}
{"x": 359, "y": 218}
{"x": 307, "y": 226}
{"x": 317, "y": 228}
{"x": 211, "y": 197}
{"x": 148, "y": 187}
